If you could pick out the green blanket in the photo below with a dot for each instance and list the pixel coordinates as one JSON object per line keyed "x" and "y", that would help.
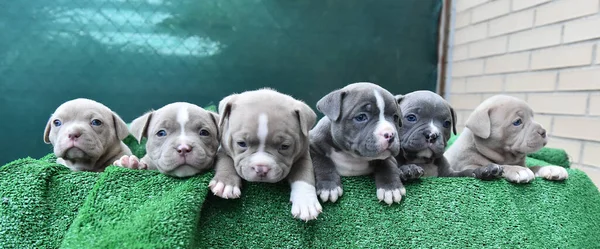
{"x": 44, "y": 205}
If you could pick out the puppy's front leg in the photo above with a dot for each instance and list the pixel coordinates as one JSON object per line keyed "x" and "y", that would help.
{"x": 305, "y": 204}
{"x": 132, "y": 162}
{"x": 328, "y": 181}
{"x": 550, "y": 172}
{"x": 226, "y": 183}
{"x": 518, "y": 174}
{"x": 488, "y": 172}
{"x": 387, "y": 179}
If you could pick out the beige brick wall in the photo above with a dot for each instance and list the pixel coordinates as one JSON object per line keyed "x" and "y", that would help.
{"x": 546, "y": 52}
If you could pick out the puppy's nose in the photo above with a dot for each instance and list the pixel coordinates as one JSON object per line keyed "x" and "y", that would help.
{"x": 431, "y": 136}
{"x": 183, "y": 149}
{"x": 261, "y": 170}
{"x": 389, "y": 136}
{"x": 542, "y": 132}
{"x": 74, "y": 135}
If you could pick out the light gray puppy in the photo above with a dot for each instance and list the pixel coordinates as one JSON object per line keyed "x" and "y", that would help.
{"x": 428, "y": 123}
{"x": 265, "y": 139}
{"x": 182, "y": 140}
{"x": 86, "y": 135}
{"x": 502, "y": 131}
{"x": 357, "y": 136}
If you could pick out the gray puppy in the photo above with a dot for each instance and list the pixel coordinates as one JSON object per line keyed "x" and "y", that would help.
{"x": 501, "y": 131}
{"x": 357, "y": 136}
{"x": 86, "y": 135}
{"x": 265, "y": 139}
{"x": 428, "y": 122}
{"x": 182, "y": 140}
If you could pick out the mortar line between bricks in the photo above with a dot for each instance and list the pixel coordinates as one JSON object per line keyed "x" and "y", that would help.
{"x": 591, "y": 41}
{"x": 550, "y": 92}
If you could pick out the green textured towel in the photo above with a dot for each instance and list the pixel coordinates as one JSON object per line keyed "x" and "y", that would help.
{"x": 44, "y": 205}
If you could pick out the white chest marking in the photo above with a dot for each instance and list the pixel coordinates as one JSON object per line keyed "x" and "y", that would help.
{"x": 183, "y": 116}
{"x": 347, "y": 165}
{"x": 262, "y": 132}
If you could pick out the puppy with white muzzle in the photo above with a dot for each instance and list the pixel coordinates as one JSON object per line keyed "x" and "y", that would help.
{"x": 86, "y": 135}
{"x": 182, "y": 140}
{"x": 265, "y": 139}
{"x": 428, "y": 123}
{"x": 501, "y": 131}
{"x": 357, "y": 136}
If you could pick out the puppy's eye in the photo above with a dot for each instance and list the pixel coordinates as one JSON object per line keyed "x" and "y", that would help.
{"x": 361, "y": 118}
{"x": 161, "y": 133}
{"x": 242, "y": 144}
{"x": 447, "y": 124}
{"x": 518, "y": 122}
{"x": 411, "y": 118}
{"x": 96, "y": 122}
{"x": 284, "y": 147}
{"x": 57, "y": 123}
{"x": 204, "y": 133}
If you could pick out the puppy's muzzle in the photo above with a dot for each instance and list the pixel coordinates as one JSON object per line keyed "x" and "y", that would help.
{"x": 183, "y": 149}
{"x": 431, "y": 137}
{"x": 261, "y": 170}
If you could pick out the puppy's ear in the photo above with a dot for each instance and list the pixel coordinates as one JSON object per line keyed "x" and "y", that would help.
{"x": 453, "y": 120}
{"x": 225, "y": 106}
{"x": 139, "y": 126}
{"x": 399, "y": 98}
{"x": 479, "y": 123}
{"x": 215, "y": 118}
{"x": 120, "y": 127}
{"x": 306, "y": 116}
{"x": 47, "y": 131}
{"x": 331, "y": 104}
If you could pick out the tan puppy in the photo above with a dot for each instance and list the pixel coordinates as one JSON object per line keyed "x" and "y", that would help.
{"x": 182, "y": 140}
{"x": 86, "y": 135}
{"x": 502, "y": 131}
{"x": 265, "y": 139}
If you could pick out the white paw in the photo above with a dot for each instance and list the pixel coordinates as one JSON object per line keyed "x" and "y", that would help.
{"x": 222, "y": 190}
{"x": 552, "y": 172}
{"x": 331, "y": 195}
{"x": 305, "y": 204}
{"x": 519, "y": 175}
{"x": 390, "y": 196}
{"x": 131, "y": 162}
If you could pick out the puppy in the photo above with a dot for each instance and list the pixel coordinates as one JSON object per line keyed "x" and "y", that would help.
{"x": 502, "y": 131}
{"x": 265, "y": 139}
{"x": 357, "y": 136}
{"x": 428, "y": 122}
{"x": 182, "y": 140}
{"x": 86, "y": 135}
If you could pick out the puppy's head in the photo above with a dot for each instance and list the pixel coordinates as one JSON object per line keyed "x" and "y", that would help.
{"x": 428, "y": 122}
{"x": 265, "y": 132}
{"x": 365, "y": 120}
{"x": 82, "y": 130}
{"x": 182, "y": 138}
{"x": 505, "y": 124}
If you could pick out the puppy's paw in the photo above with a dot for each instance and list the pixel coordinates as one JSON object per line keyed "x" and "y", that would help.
{"x": 491, "y": 171}
{"x": 225, "y": 188}
{"x": 390, "y": 196}
{"x": 131, "y": 162}
{"x": 410, "y": 172}
{"x": 329, "y": 191}
{"x": 305, "y": 204}
{"x": 519, "y": 175}
{"x": 554, "y": 173}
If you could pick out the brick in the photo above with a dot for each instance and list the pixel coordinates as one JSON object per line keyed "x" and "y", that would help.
{"x": 462, "y": 20}
{"x": 564, "y": 10}
{"x": 582, "y": 30}
{"x": 577, "y": 127}
{"x": 460, "y": 52}
{"x": 488, "y": 47}
{"x": 462, "y": 5}
{"x": 485, "y": 84}
{"x": 530, "y": 82}
{"x": 462, "y": 116}
{"x": 465, "y": 101}
{"x": 558, "y": 103}
{"x": 511, "y": 23}
{"x": 458, "y": 85}
{"x": 594, "y": 104}
{"x": 591, "y": 155}
{"x": 544, "y": 120}
{"x": 470, "y": 33}
{"x": 490, "y": 10}
{"x": 564, "y": 56}
{"x": 466, "y": 68}
{"x": 598, "y": 54}
{"x": 572, "y": 147}
{"x": 592, "y": 171}
{"x": 523, "y": 4}
{"x": 516, "y": 95}
{"x": 507, "y": 63}
{"x": 536, "y": 38}
{"x": 586, "y": 79}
